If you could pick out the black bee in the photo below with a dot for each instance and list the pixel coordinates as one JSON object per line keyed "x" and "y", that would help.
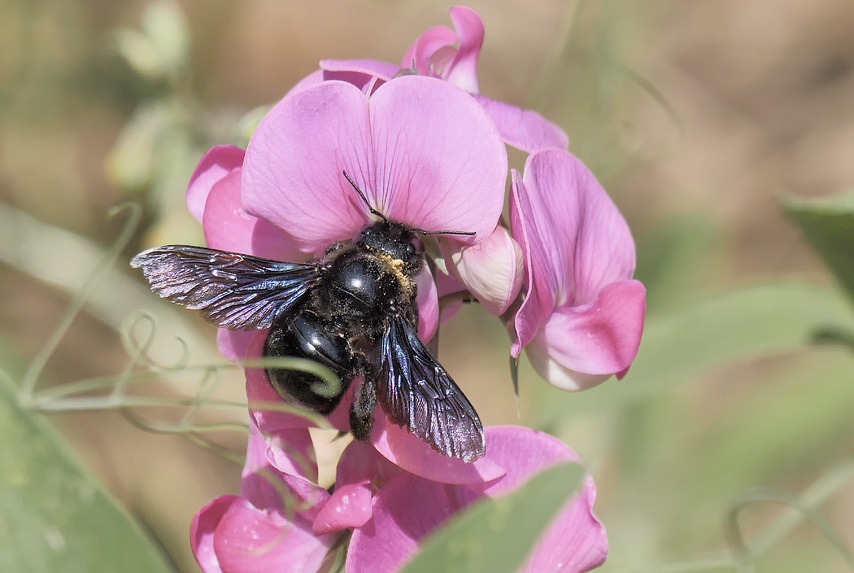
{"x": 352, "y": 310}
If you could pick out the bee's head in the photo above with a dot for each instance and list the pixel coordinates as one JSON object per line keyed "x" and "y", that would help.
{"x": 396, "y": 240}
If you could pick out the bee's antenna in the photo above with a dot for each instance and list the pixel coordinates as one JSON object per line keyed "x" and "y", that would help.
{"x": 364, "y": 199}
{"x": 384, "y": 218}
{"x": 425, "y": 233}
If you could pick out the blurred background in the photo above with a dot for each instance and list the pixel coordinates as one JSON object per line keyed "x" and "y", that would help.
{"x": 699, "y": 117}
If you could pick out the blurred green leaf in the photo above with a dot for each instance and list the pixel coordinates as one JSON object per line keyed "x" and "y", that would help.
{"x": 783, "y": 427}
{"x": 498, "y": 534}
{"x": 805, "y": 411}
{"x": 676, "y": 257}
{"x": 139, "y": 52}
{"x": 161, "y": 49}
{"x": 165, "y": 25}
{"x": 54, "y": 516}
{"x": 828, "y": 226}
{"x": 135, "y": 158}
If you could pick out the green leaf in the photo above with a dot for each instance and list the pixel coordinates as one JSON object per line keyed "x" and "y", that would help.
{"x": 498, "y": 534}
{"x": 828, "y": 226}
{"x": 54, "y": 516}
{"x": 676, "y": 258}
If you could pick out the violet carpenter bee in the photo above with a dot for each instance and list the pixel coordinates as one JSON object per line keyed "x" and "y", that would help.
{"x": 352, "y": 310}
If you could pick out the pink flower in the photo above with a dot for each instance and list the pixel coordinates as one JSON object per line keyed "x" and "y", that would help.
{"x": 448, "y": 54}
{"x": 269, "y": 524}
{"x": 283, "y": 517}
{"x": 427, "y": 151}
{"x": 582, "y": 316}
{"x": 424, "y": 153}
{"x": 408, "y": 507}
{"x": 452, "y": 56}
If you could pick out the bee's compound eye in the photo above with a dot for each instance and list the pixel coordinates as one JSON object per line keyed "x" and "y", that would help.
{"x": 415, "y": 247}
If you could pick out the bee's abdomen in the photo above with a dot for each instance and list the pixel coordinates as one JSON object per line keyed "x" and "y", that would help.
{"x": 307, "y": 335}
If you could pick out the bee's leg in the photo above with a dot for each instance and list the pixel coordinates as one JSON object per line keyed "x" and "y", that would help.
{"x": 362, "y": 410}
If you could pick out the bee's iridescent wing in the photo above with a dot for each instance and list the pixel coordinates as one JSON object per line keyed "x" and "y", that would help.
{"x": 416, "y": 392}
{"x": 231, "y": 290}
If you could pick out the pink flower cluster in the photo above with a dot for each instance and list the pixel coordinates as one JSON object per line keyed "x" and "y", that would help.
{"x": 390, "y": 494}
{"x": 428, "y": 151}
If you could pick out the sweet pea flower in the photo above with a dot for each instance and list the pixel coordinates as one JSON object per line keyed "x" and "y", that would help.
{"x": 268, "y": 525}
{"x": 582, "y": 316}
{"x": 408, "y": 507}
{"x": 450, "y": 55}
{"x": 424, "y": 153}
{"x": 427, "y": 150}
{"x": 389, "y": 504}
{"x": 282, "y": 518}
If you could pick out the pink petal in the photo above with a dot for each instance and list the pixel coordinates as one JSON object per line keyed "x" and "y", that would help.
{"x": 448, "y": 285}
{"x": 357, "y": 72}
{"x": 372, "y": 85}
{"x": 228, "y": 227}
{"x": 463, "y": 69}
{"x": 269, "y": 411}
{"x": 492, "y": 270}
{"x": 522, "y": 128}
{"x": 248, "y": 540}
{"x": 292, "y": 175}
{"x": 278, "y": 478}
{"x": 538, "y": 302}
{"x": 575, "y": 541}
{"x": 234, "y": 344}
{"x": 281, "y": 473}
{"x": 360, "y": 462}
{"x": 304, "y": 497}
{"x": 348, "y": 508}
{"x": 423, "y": 50}
{"x": 311, "y": 79}
{"x": 441, "y": 167}
{"x": 440, "y": 163}
{"x": 434, "y": 52}
{"x": 428, "y": 305}
{"x": 598, "y": 339}
{"x": 578, "y": 226}
{"x": 522, "y": 452}
{"x": 414, "y": 455}
{"x": 406, "y": 509}
{"x": 215, "y": 164}
{"x": 203, "y": 529}
{"x": 339, "y": 418}
{"x": 291, "y": 452}
{"x": 573, "y": 236}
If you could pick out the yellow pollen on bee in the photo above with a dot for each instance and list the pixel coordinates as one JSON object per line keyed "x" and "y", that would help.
{"x": 396, "y": 266}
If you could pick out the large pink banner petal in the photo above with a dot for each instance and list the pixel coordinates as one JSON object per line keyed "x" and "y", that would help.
{"x": 441, "y": 164}
{"x": 293, "y": 172}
